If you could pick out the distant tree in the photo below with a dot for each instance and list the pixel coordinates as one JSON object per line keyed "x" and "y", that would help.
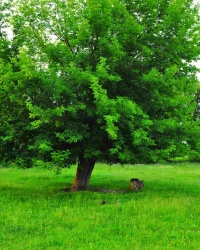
{"x": 105, "y": 80}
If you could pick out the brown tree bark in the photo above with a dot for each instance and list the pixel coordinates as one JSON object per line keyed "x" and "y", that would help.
{"x": 83, "y": 174}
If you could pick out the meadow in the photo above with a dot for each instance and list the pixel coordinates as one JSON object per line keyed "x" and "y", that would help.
{"x": 36, "y": 214}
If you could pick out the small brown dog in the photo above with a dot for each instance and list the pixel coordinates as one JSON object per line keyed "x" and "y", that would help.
{"x": 136, "y": 184}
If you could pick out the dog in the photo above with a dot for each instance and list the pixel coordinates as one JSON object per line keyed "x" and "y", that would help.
{"x": 136, "y": 184}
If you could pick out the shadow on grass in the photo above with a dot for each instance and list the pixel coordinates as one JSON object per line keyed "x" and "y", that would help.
{"x": 49, "y": 188}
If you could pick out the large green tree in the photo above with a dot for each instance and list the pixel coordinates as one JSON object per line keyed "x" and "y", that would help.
{"x": 106, "y": 80}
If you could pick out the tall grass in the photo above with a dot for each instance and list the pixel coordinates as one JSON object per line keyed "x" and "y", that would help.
{"x": 36, "y": 214}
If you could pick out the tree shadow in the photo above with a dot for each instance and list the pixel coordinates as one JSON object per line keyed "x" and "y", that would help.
{"x": 49, "y": 188}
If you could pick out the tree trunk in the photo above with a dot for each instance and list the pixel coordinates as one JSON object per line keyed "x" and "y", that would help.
{"x": 83, "y": 174}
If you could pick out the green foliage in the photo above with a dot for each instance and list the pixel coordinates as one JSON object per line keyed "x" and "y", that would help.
{"x": 61, "y": 158}
{"x": 112, "y": 80}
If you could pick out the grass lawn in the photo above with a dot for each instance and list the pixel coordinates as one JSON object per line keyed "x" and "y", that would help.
{"x": 35, "y": 214}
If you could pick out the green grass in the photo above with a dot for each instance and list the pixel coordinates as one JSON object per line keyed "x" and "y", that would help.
{"x": 35, "y": 214}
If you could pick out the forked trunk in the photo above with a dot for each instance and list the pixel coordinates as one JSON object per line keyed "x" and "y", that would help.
{"x": 83, "y": 174}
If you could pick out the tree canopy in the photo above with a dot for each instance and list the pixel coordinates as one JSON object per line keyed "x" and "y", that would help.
{"x": 110, "y": 81}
